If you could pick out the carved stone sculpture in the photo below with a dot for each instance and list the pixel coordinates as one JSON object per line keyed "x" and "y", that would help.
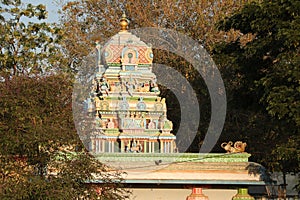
{"x": 238, "y": 146}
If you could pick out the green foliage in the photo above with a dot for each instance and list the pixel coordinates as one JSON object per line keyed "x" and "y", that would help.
{"x": 36, "y": 110}
{"x": 28, "y": 47}
{"x": 264, "y": 80}
{"x": 41, "y": 154}
{"x": 288, "y": 155}
{"x": 273, "y": 55}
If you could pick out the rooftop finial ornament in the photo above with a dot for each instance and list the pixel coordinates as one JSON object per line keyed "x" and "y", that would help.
{"x": 124, "y": 22}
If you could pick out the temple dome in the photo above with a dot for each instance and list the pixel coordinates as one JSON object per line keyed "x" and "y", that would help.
{"x": 126, "y": 48}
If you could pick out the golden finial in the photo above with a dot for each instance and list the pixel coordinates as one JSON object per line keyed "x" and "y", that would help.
{"x": 124, "y": 22}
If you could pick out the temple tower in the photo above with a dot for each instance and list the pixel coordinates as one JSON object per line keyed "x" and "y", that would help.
{"x": 129, "y": 115}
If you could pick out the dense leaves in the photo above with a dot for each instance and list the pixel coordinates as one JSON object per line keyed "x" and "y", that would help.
{"x": 36, "y": 110}
{"x": 28, "y": 47}
{"x": 264, "y": 81}
{"x": 273, "y": 56}
{"x": 41, "y": 154}
{"x": 86, "y": 21}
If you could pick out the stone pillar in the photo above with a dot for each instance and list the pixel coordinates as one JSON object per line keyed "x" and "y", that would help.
{"x": 103, "y": 146}
{"x": 242, "y": 195}
{"x": 112, "y": 146}
{"x": 109, "y": 146}
{"x": 129, "y": 145}
{"x": 197, "y": 195}
{"x": 145, "y": 146}
{"x": 150, "y": 145}
{"x": 161, "y": 146}
{"x": 152, "y": 148}
{"x": 122, "y": 146}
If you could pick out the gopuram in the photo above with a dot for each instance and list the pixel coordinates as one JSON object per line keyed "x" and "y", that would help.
{"x": 124, "y": 100}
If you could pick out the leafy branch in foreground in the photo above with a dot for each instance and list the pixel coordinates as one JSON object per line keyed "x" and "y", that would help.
{"x": 41, "y": 154}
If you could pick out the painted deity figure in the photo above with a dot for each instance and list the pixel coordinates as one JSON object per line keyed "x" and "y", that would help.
{"x": 153, "y": 85}
{"x": 151, "y": 125}
{"x": 132, "y": 121}
{"x": 104, "y": 86}
{"x": 111, "y": 124}
{"x": 136, "y": 147}
{"x": 129, "y": 87}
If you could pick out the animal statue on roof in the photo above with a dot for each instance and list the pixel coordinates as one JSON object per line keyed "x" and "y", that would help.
{"x": 238, "y": 146}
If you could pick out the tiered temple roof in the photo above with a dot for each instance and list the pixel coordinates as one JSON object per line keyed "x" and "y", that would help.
{"x": 124, "y": 100}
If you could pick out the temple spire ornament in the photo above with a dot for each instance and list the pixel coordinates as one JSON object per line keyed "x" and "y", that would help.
{"x": 124, "y": 22}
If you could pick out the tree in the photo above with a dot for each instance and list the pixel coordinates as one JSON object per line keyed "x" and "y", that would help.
{"x": 41, "y": 156}
{"x": 28, "y": 47}
{"x": 86, "y": 21}
{"x": 265, "y": 79}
